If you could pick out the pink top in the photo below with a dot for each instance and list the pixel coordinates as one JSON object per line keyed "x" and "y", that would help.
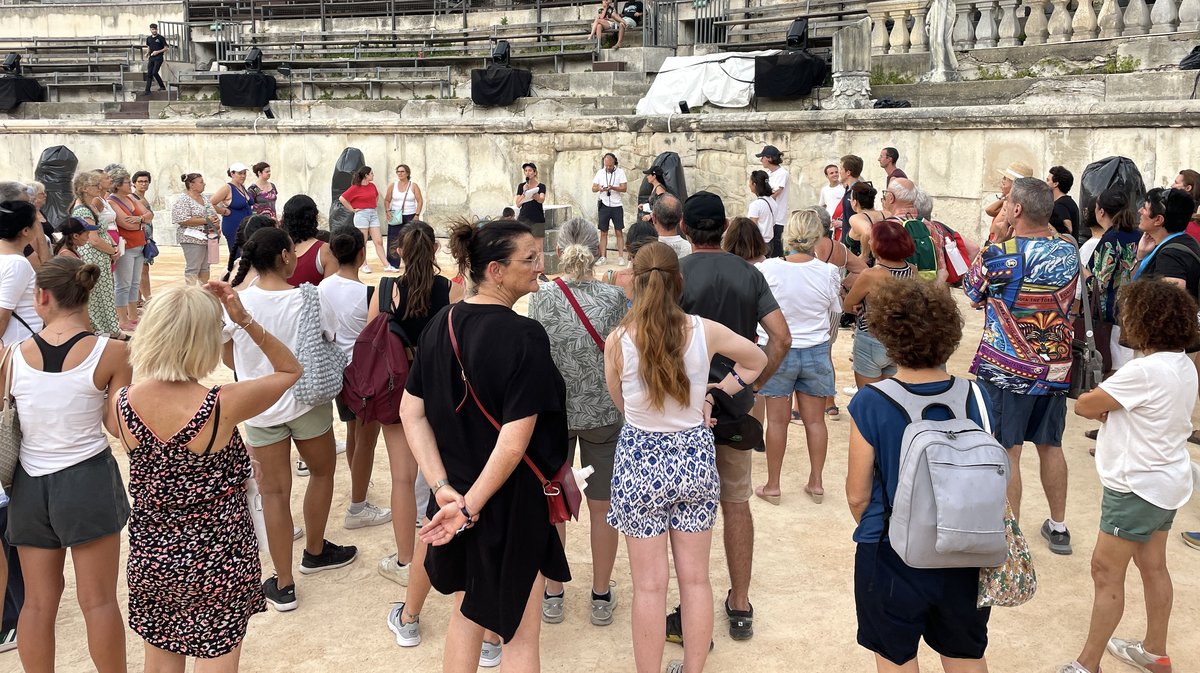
{"x": 362, "y": 196}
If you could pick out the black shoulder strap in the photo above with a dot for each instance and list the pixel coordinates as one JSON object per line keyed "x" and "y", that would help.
{"x": 215, "y": 423}
{"x": 386, "y": 288}
{"x": 370, "y": 293}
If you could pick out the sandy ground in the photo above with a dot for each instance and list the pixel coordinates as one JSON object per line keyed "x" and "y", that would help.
{"x": 802, "y": 588}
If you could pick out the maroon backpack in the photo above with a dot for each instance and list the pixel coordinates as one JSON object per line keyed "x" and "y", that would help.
{"x": 374, "y": 381}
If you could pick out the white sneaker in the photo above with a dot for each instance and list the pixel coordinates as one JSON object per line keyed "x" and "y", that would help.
{"x": 301, "y": 468}
{"x": 390, "y": 568}
{"x": 297, "y": 533}
{"x": 407, "y": 635}
{"x": 1134, "y": 653}
{"x": 489, "y": 654}
{"x": 850, "y": 390}
{"x": 369, "y": 515}
{"x": 365, "y": 268}
{"x": 602, "y": 260}
{"x": 620, "y": 261}
{"x": 390, "y": 269}
{"x": 8, "y": 640}
{"x": 1196, "y": 476}
{"x": 339, "y": 447}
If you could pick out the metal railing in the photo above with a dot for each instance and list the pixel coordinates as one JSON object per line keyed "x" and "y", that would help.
{"x": 179, "y": 40}
{"x": 660, "y": 24}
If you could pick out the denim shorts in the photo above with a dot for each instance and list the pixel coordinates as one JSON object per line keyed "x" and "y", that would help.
{"x": 1020, "y": 418}
{"x": 803, "y": 370}
{"x": 365, "y": 219}
{"x": 870, "y": 357}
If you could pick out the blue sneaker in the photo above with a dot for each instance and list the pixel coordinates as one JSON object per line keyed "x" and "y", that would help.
{"x": 1192, "y": 539}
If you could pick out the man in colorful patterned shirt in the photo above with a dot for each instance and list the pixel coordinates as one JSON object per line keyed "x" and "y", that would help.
{"x": 1026, "y": 279}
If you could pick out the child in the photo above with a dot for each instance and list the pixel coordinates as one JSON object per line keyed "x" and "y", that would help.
{"x": 1143, "y": 462}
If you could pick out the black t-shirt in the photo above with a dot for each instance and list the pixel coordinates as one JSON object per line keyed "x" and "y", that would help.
{"x": 531, "y": 211}
{"x": 155, "y": 43}
{"x": 847, "y": 213}
{"x": 632, "y": 10}
{"x": 1065, "y": 209}
{"x": 1169, "y": 261}
{"x": 725, "y": 288}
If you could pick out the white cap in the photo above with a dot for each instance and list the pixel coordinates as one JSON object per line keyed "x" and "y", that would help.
{"x": 237, "y": 167}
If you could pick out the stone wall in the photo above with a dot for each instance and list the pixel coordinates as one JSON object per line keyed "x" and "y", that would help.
{"x": 85, "y": 20}
{"x": 470, "y": 166}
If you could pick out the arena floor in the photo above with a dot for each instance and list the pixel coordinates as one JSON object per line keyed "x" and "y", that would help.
{"x": 802, "y": 589}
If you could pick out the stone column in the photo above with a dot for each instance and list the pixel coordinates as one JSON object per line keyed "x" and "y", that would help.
{"x": 1035, "y": 23}
{"x": 920, "y": 41}
{"x": 1083, "y": 25}
{"x": 1189, "y": 15}
{"x": 1060, "y": 22}
{"x": 964, "y": 31}
{"x": 851, "y": 68}
{"x": 985, "y": 30}
{"x": 1010, "y": 23}
{"x": 1163, "y": 16}
{"x": 1137, "y": 18}
{"x": 879, "y": 33}
{"x": 899, "y": 36}
{"x": 1110, "y": 20}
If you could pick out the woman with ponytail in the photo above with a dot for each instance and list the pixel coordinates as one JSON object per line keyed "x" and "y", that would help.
{"x": 1112, "y": 265}
{"x": 272, "y": 302}
{"x": 490, "y": 535}
{"x": 67, "y": 492}
{"x": 665, "y": 483}
{"x": 18, "y": 228}
{"x": 592, "y": 419}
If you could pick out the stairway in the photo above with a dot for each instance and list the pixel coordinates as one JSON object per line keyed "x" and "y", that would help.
{"x": 135, "y": 110}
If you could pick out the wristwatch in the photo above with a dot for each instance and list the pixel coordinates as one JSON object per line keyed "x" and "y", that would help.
{"x": 440, "y": 483}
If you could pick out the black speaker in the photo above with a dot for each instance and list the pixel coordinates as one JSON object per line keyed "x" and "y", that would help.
{"x": 254, "y": 60}
{"x": 797, "y": 35}
{"x": 12, "y": 64}
{"x": 502, "y": 53}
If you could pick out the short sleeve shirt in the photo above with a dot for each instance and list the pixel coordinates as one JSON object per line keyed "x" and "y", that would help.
{"x": 725, "y": 288}
{"x": 16, "y": 295}
{"x": 1029, "y": 288}
{"x": 156, "y": 43}
{"x": 531, "y": 211}
{"x": 631, "y": 11}
{"x": 1171, "y": 262}
{"x": 362, "y": 196}
{"x": 778, "y": 179}
{"x": 762, "y": 211}
{"x": 607, "y": 180}
{"x": 576, "y": 354}
{"x": 1065, "y": 209}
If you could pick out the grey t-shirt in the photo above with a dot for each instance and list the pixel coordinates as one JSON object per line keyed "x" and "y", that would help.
{"x": 727, "y": 289}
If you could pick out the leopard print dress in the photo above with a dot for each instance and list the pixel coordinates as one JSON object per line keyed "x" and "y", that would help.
{"x": 194, "y": 572}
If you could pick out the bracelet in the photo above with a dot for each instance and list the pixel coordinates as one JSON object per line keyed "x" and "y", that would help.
{"x": 734, "y": 374}
{"x": 465, "y": 513}
{"x": 440, "y": 483}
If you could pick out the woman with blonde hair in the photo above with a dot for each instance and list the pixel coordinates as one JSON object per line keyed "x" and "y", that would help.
{"x": 211, "y": 573}
{"x": 576, "y": 344}
{"x": 665, "y": 484}
{"x": 809, "y": 292}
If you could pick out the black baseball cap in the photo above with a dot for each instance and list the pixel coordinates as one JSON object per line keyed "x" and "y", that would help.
{"x": 770, "y": 151}
{"x": 735, "y": 427}
{"x": 703, "y": 206}
{"x": 656, "y": 171}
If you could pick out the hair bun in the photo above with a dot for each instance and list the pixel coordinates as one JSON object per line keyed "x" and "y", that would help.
{"x": 183, "y": 178}
{"x": 87, "y": 276}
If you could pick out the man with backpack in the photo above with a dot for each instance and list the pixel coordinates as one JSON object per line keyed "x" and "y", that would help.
{"x": 1026, "y": 279}
{"x": 899, "y": 203}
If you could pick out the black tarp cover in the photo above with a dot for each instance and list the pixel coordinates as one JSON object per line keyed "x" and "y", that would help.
{"x": 499, "y": 85}
{"x": 1119, "y": 172}
{"x": 788, "y": 74}
{"x": 17, "y": 90}
{"x": 247, "y": 89}
{"x": 350, "y": 160}
{"x": 56, "y": 170}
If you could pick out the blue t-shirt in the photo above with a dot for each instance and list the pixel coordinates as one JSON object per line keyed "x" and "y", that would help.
{"x": 882, "y": 424}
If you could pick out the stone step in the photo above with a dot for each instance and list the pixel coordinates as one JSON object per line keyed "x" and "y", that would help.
{"x": 638, "y": 59}
{"x": 1082, "y": 89}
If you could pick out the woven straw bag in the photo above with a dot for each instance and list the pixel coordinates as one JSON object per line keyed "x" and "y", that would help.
{"x": 1014, "y": 582}
{"x": 10, "y": 425}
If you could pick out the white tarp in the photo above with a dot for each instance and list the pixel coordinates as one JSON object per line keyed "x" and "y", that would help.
{"x": 725, "y": 80}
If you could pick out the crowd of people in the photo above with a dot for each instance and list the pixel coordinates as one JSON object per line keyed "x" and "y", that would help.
{"x": 713, "y": 334}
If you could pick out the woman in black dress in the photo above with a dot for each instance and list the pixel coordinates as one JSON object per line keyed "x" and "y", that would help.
{"x": 489, "y": 530}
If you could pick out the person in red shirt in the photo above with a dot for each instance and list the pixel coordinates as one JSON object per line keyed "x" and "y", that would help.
{"x": 362, "y": 199}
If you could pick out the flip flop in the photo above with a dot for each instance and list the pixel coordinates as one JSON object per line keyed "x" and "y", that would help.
{"x": 816, "y": 497}
{"x": 832, "y": 411}
{"x": 773, "y": 499}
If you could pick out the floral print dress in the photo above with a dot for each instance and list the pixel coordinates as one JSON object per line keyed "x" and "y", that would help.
{"x": 193, "y": 569}
{"x": 102, "y": 302}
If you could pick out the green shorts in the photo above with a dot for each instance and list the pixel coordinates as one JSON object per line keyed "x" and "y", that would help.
{"x": 312, "y": 423}
{"x": 597, "y": 447}
{"x": 1129, "y": 517}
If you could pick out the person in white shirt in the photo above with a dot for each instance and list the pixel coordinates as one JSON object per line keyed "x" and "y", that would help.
{"x": 18, "y": 319}
{"x": 761, "y": 210}
{"x": 771, "y": 158}
{"x": 609, "y": 184}
{"x": 1144, "y": 467}
{"x": 831, "y": 194}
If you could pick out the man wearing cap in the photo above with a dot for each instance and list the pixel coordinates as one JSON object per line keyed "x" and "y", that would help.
{"x": 888, "y": 157}
{"x": 609, "y": 184}
{"x": 777, "y": 177}
{"x": 156, "y": 49}
{"x": 727, "y": 289}
{"x": 1015, "y": 171}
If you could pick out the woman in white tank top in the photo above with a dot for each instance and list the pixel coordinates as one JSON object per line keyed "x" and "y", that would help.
{"x": 656, "y": 366}
{"x": 67, "y": 491}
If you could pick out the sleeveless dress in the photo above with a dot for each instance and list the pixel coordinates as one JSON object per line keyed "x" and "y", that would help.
{"x": 239, "y": 209}
{"x": 193, "y": 569}
{"x": 264, "y": 202}
{"x": 102, "y": 302}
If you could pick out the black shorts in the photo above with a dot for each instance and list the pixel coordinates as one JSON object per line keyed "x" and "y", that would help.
{"x": 1019, "y": 418}
{"x": 345, "y": 415}
{"x": 613, "y": 214}
{"x": 79, "y": 504}
{"x": 898, "y": 605}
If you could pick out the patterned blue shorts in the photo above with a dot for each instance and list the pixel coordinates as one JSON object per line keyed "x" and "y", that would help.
{"x": 664, "y": 480}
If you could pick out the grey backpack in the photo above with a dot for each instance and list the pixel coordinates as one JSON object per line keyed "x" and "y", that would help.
{"x": 948, "y": 511}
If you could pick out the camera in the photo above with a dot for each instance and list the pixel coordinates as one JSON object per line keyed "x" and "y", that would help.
{"x": 608, "y": 192}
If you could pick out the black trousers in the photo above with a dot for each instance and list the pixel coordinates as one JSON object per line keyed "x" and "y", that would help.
{"x": 14, "y": 597}
{"x": 152, "y": 67}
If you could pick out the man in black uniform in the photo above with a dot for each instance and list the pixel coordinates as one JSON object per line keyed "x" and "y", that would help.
{"x": 156, "y": 46}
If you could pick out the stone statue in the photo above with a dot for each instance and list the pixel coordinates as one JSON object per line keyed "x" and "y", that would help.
{"x": 939, "y": 23}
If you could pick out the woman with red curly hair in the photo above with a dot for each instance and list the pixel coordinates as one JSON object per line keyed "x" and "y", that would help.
{"x": 891, "y": 245}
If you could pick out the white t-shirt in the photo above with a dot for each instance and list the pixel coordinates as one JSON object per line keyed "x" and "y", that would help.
{"x": 606, "y": 179}
{"x": 1142, "y": 447}
{"x": 808, "y": 293}
{"x": 278, "y": 311}
{"x": 16, "y": 294}
{"x": 776, "y": 179}
{"x": 679, "y": 244}
{"x": 831, "y": 197}
{"x": 762, "y": 211}
{"x": 348, "y": 299}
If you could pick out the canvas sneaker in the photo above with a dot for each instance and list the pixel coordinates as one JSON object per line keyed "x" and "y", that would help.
{"x": 489, "y": 654}
{"x": 301, "y": 468}
{"x": 602, "y": 610}
{"x": 283, "y": 599}
{"x": 390, "y": 568}
{"x": 552, "y": 609}
{"x": 339, "y": 447}
{"x": 8, "y": 640}
{"x": 407, "y": 635}
{"x": 1192, "y": 538}
{"x": 331, "y": 556}
{"x": 365, "y": 268}
{"x": 390, "y": 269}
{"x": 1132, "y": 653}
{"x": 620, "y": 261}
{"x": 297, "y": 533}
{"x": 369, "y": 515}
{"x": 1060, "y": 543}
